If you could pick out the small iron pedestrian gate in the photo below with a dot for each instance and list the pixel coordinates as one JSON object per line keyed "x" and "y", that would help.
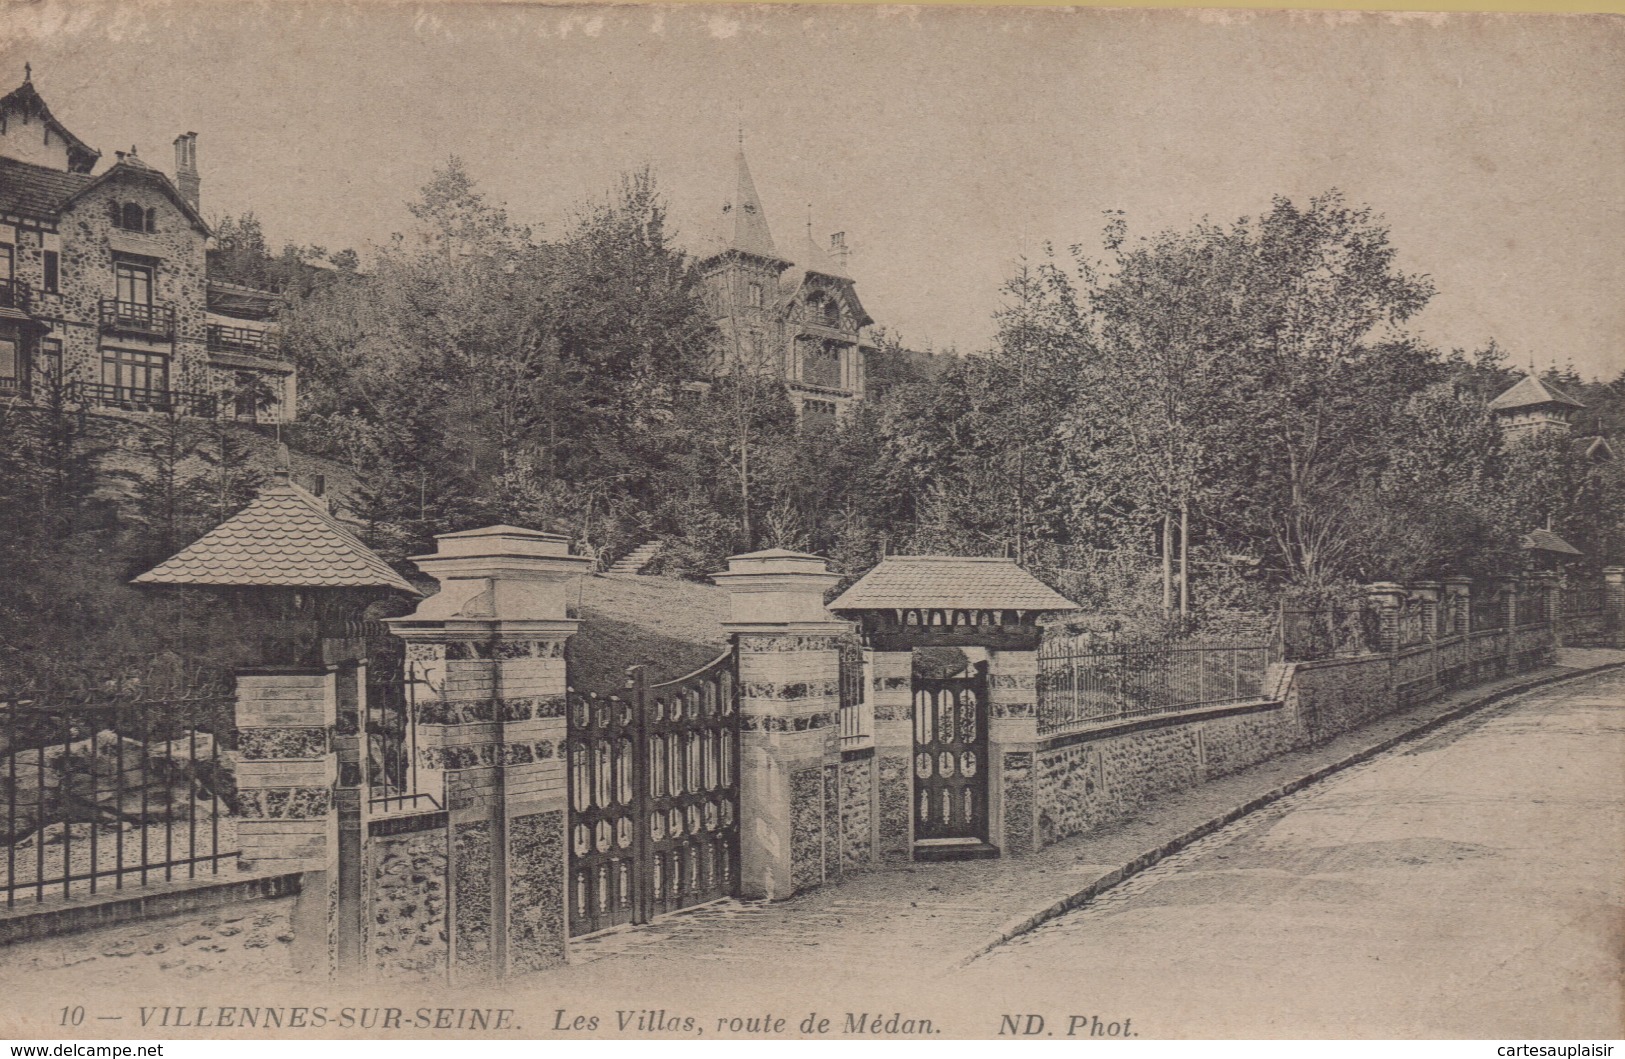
{"x": 654, "y": 797}
{"x": 950, "y": 756}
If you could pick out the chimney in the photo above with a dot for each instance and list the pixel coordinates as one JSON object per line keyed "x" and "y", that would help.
{"x": 838, "y": 249}
{"x": 186, "y": 178}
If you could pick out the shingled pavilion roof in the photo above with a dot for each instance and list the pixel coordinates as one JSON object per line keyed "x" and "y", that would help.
{"x": 1544, "y": 540}
{"x": 950, "y": 582}
{"x": 285, "y": 538}
{"x": 1532, "y": 392}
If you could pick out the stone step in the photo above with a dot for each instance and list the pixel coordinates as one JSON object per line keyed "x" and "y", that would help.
{"x": 635, "y": 560}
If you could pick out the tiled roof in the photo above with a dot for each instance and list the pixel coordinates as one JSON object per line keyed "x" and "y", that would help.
{"x": 284, "y": 538}
{"x": 1530, "y": 392}
{"x": 1544, "y": 540}
{"x": 26, "y": 98}
{"x": 1594, "y": 448}
{"x": 750, "y": 231}
{"x": 35, "y": 189}
{"x": 950, "y": 582}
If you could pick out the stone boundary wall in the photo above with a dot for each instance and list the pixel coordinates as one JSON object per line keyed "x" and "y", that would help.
{"x": 1086, "y": 779}
{"x": 1588, "y": 630}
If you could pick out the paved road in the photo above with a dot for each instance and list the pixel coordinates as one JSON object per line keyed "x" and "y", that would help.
{"x": 1468, "y": 885}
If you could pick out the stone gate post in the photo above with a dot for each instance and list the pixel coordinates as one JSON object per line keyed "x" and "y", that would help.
{"x": 1459, "y": 590}
{"x": 789, "y": 680}
{"x": 1386, "y": 597}
{"x": 893, "y": 693}
{"x": 488, "y": 652}
{"x": 286, "y": 772}
{"x": 1012, "y": 693}
{"x": 1613, "y": 582}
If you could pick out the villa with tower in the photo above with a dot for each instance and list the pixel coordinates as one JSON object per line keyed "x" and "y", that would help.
{"x": 792, "y": 314}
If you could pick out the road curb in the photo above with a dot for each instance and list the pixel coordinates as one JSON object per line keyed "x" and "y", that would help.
{"x": 1020, "y": 925}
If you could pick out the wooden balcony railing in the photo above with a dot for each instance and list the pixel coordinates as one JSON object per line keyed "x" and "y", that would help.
{"x": 142, "y": 399}
{"x": 251, "y": 340}
{"x": 156, "y": 320}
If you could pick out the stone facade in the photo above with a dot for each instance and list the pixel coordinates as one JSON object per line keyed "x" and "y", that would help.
{"x": 857, "y": 810}
{"x": 490, "y": 650}
{"x": 406, "y": 925}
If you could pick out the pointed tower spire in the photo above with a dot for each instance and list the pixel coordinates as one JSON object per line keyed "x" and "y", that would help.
{"x": 750, "y": 231}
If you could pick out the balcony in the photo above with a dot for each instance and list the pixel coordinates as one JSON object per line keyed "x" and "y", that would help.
{"x": 140, "y": 399}
{"x": 253, "y": 341}
{"x": 13, "y": 295}
{"x": 155, "y": 321}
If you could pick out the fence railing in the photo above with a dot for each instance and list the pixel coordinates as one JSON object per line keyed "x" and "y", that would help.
{"x": 1082, "y": 688}
{"x": 1531, "y": 607}
{"x": 857, "y": 709}
{"x": 392, "y": 738}
{"x": 253, "y": 340}
{"x": 109, "y": 788}
{"x": 1488, "y": 610}
{"x": 1310, "y": 634}
{"x": 1583, "y": 601}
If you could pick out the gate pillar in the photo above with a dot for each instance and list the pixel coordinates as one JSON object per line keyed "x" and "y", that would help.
{"x": 488, "y": 651}
{"x": 789, "y": 683}
{"x": 893, "y": 694}
{"x": 1012, "y": 693}
{"x": 1613, "y": 580}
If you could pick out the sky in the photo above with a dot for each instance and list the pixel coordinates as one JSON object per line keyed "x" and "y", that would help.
{"x": 947, "y": 143}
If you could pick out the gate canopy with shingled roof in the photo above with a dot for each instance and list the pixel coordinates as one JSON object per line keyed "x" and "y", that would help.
{"x": 290, "y": 570}
{"x": 949, "y": 601}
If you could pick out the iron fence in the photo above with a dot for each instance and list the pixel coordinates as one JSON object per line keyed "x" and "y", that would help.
{"x": 1334, "y": 630}
{"x": 392, "y": 739}
{"x": 857, "y": 711}
{"x": 123, "y": 785}
{"x": 1488, "y": 610}
{"x": 1080, "y": 688}
{"x": 1531, "y": 607}
{"x": 1583, "y": 601}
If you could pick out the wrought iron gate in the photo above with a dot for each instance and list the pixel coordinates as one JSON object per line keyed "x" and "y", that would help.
{"x": 950, "y": 756}
{"x": 654, "y": 797}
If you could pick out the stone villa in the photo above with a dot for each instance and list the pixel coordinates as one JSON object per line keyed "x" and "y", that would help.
{"x": 105, "y": 294}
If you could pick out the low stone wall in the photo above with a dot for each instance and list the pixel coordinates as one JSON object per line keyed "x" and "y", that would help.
{"x": 1333, "y": 696}
{"x": 1085, "y": 779}
{"x": 1588, "y": 630}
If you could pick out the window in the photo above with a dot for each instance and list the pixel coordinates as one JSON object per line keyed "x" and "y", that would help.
{"x": 5, "y": 262}
{"x": 131, "y": 217}
{"x": 244, "y": 394}
{"x": 50, "y": 358}
{"x": 821, "y": 363}
{"x": 832, "y": 313}
{"x": 8, "y": 363}
{"x": 139, "y": 376}
{"x": 134, "y": 283}
{"x": 818, "y": 411}
{"x": 52, "y": 272}
{"x": 754, "y": 291}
